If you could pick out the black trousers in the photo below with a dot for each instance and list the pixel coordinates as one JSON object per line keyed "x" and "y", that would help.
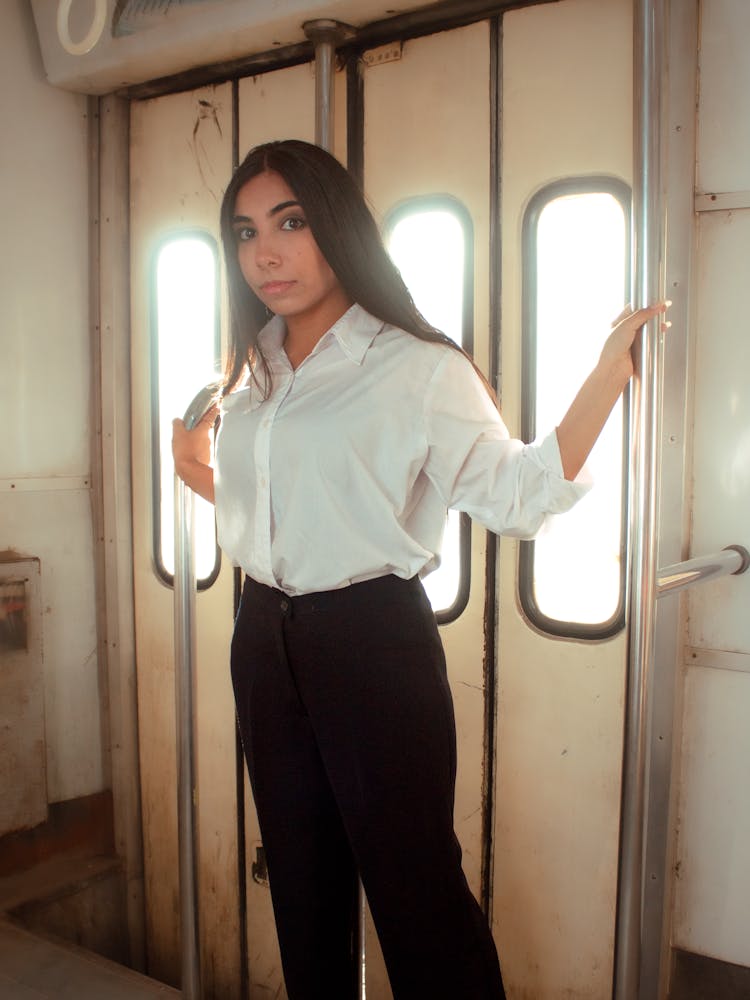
{"x": 348, "y": 730}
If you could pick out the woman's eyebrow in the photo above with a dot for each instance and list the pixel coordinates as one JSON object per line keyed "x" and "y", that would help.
{"x": 282, "y": 205}
{"x": 273, "y": 211}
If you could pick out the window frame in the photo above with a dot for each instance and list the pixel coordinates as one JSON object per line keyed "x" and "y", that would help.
{"x": 618, "y": 189}
{"x": 451, "y": 204}
{"x": 167, "y": 578}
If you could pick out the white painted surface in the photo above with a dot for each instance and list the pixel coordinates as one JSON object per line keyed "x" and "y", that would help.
{"x": 44, "y": 386}
{"x": 721, "y": 475}
{"x": 44, "y": 376}
{"x": 712, "y": 907}
{"x": 711, "y": 903}
{"x": 724, "y": 132}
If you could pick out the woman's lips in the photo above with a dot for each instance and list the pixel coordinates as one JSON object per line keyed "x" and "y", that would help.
{"x": 276, "y": 287}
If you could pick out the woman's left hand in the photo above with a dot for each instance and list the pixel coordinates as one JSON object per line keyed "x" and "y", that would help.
{"x": 582, "y": 424}
{"x": 617, "y": 355}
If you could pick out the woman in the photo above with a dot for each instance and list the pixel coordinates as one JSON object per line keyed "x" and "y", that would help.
{"x": 355, "y": 427}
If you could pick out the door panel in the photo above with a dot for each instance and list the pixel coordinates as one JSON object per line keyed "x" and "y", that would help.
{"x": 438, "y": 144}
{"x": 566, "y": 112}
{"x": 180, "y": 162}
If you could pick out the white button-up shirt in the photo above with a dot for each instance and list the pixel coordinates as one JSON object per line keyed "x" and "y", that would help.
{"x": 346, "y": 471}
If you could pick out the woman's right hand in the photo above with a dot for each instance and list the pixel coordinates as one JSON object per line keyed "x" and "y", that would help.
{"x": 191, "y": 450}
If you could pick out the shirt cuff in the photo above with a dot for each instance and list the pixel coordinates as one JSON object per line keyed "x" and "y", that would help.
{"x": 564, "y": 493}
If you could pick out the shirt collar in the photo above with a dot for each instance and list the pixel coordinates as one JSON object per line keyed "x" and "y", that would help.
{"x": 354, "y": 331}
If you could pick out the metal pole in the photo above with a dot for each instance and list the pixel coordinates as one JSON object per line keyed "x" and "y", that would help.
{"x": 325, "y": 36}
{"x": 184, "y": 599}
{"x": 649, "y": 39}
{"x": 184, "y": 646}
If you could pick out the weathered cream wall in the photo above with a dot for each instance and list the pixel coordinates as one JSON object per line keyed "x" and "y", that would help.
{"x": 45, "y": 507}
{"x": 712, "y": 909}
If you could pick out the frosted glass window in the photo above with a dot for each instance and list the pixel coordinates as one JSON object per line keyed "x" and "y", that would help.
{"x": 186, "y": 356}
{"x": 430, "y": 241}
{"x": 577, "y": 253}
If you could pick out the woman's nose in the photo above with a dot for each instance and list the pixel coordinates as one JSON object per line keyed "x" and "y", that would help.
{"x": 266, "y": 251}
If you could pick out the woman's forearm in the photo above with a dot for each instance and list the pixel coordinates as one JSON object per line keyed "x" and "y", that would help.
{"x": 582, "y": 424}
{"x": 191, "y": 450}
{"x": 199, "y": 477}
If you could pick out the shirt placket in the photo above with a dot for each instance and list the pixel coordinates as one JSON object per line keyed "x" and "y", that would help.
{"x": 262, "y": 458}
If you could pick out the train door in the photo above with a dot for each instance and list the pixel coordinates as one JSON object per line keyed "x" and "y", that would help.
{"x": 181, "y": 157}
{"x": 432, "y": 125}
{"x": 566, "y": 148}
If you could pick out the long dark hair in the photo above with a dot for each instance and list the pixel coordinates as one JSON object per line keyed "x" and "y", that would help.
{"x": 346, "y": 234}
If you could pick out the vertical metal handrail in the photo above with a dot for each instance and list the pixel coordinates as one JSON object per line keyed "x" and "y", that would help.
{"x": 325, "y": 34}
{"x": 184, "y": 642}
{"x": 649, "y": 42}
{"x": 184, "y": 657}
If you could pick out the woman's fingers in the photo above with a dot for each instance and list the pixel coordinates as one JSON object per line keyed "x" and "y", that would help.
{"x": 635, "y": 320}
{"x": 616, "y": 352}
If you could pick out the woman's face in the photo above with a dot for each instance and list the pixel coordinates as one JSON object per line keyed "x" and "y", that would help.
{"x": 279, "y": 257}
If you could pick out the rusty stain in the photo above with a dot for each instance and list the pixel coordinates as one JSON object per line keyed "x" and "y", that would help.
{"x": 13, "y": 555}
{"x": 207, "y": 112}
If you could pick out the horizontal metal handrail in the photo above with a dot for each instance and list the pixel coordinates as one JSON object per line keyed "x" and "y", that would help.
{"x": 731, "y": 561}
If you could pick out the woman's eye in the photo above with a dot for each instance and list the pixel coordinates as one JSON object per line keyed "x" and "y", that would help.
{"x": 293, "y": 223}
{"x": 244, "y": 233}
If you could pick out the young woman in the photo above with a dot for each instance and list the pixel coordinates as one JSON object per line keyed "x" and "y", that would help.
{"x": 348, "y": 427}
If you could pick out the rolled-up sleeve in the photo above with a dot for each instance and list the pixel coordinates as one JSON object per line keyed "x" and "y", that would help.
{"x": 508, "y": 486}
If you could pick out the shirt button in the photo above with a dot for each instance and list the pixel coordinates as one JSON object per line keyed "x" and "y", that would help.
{"x": 284, "y": 604}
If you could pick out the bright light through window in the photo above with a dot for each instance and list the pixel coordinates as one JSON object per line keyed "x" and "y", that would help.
{"x": 581, "y": 244}
{"x": 428, "y": 247}
{"x": 187, "y": 353}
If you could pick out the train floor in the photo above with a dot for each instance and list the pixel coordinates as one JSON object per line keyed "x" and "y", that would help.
{"x": 33, "y": 967}
{"x": 74, "y": 897}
